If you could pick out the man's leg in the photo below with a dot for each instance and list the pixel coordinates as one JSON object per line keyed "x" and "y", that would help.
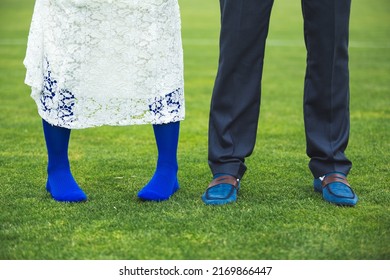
{"x": 326, "y": 93}
{"x": 235, "y": 103}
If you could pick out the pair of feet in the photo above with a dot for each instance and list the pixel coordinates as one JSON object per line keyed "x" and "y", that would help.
{"x": 62, "y": 187}
{"x": 334, "y": 188}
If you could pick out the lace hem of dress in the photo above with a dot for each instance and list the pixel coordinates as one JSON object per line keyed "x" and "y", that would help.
{"x": 60, "y": 107}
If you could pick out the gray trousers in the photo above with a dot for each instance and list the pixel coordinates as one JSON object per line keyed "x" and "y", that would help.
{"x": 235, "y": 104}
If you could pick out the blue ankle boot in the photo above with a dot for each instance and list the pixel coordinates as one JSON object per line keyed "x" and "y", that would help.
{"x": 60, "y": 182}
{"x": 164, "y": 182}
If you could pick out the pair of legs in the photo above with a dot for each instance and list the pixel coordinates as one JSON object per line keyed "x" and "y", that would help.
{"x": 62, "y": 186}
{"x": 235, "y": 104}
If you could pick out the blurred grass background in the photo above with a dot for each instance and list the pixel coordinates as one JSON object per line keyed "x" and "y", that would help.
{"x": 278, "y": 216}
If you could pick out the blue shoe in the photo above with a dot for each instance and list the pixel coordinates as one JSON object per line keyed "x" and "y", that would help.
{"x": 222, "y": 190}
{"x": 152, "y": 194}
{"x": 335, "y": 189}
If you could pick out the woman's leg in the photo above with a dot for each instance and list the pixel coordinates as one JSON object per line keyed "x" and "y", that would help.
{"x": 164, "y": 181}
{"x": 60, "y": 182}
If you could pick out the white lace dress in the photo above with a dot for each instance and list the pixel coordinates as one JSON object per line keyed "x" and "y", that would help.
{"x": 106, "y": 62}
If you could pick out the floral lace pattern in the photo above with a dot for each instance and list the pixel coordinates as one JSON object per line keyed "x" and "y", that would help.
{"x": 59, "y": 102}
{"x": 104, "y": 62}
{"x": 168, "y": 105}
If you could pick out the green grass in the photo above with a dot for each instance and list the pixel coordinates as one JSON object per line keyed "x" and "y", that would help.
{"x": 278, "y": 216}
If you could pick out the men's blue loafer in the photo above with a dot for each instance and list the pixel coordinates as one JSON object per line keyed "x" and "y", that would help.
{"x": 335, "y": 189}
{"x": 222, "y": 190}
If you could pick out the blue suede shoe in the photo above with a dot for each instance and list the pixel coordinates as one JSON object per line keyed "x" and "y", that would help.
{"x": 335, "y": 189}
{"x": 222, "y": 190}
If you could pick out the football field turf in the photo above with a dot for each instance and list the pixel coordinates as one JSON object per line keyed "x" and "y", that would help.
{"x": 277, "y": 216}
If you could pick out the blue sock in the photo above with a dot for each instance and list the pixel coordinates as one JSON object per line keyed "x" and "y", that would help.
{"x": 60, "y": 182}
{"x": 164, "y": 181}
